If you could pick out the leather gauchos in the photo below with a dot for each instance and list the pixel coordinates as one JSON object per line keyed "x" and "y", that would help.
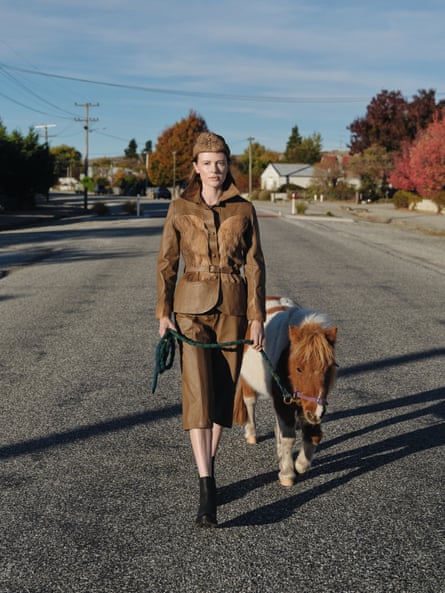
{"x": 209, "y": 375}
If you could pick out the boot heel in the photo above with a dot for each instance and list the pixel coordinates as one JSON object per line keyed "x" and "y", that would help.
{"x": 207, "y": 503}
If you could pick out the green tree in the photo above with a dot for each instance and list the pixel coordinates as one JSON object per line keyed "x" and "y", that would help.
{"x": 261, "y": 157}
{"x": 132, "y": 151}
{"x": 292, "y": 145}
{"x": 303, "y": 150}
{"x": 27, "y": 168}
{"x": 172, "y": 154}
{"x": 67, "y": 161}
{"x": 148, "y": 148}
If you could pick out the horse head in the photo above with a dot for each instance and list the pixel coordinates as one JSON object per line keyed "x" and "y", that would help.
{"x": 312, "y": 367}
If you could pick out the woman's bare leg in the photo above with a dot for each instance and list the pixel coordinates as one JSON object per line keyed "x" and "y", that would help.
{"x": 201, "y": 440}
{"x": 205, "y": 442}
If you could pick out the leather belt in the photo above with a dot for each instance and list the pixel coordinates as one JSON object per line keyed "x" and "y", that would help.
{"x": 214, "y": 269}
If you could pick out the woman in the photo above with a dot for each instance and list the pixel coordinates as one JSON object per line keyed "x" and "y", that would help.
{"x": 215, "y": 231}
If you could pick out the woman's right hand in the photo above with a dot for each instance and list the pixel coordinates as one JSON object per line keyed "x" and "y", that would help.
{"x": 165, "y": 323}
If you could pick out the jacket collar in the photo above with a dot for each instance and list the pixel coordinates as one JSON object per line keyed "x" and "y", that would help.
{"x": 230, "y": 192}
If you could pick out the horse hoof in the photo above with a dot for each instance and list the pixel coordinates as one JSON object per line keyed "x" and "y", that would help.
{"x": 287, "y": 482}
{"x": 251, "y": 440}
{"x": 206, "y": 521}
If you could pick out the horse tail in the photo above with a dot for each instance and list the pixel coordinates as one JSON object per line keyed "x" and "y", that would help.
{"x": 239, "y": 408}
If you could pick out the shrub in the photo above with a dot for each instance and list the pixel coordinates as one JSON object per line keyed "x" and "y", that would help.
{"x": 439, "y": 200}
{"x": 264, "y": 195}
{"x": 254, "y": 194}
{"x": 100, "y": 209}
{"x": 300, "y": 206}
{"x": 402, "y": 199}
{"x": 342, "y": 191}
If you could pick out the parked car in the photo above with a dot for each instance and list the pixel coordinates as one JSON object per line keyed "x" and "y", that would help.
{"x": 162, "y": 193}
{"x": 100, "y": 190}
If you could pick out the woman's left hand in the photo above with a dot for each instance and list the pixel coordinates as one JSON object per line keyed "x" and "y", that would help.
{"x": 257, "y": 335}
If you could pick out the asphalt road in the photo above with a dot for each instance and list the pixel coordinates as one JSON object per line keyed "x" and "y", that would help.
{"x": 99, "y": 491}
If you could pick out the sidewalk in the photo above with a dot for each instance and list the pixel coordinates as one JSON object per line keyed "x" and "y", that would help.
{"x": 428, "y": 223}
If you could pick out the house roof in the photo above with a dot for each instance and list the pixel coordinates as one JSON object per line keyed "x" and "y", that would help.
{"x": 293, "y": 169}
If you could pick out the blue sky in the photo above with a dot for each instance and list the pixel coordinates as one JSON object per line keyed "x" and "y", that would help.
{"x": 249, "y": 68}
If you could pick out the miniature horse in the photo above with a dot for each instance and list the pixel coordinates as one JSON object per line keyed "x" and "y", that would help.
{"x": 300, "y": 345}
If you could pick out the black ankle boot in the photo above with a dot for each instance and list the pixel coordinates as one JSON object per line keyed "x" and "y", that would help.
{"x": 207, "y": 503}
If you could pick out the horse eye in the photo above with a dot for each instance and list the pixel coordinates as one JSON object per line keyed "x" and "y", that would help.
{"x": 299, "y": 370}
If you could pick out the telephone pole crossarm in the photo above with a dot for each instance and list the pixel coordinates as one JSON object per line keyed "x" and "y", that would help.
{"x": 86, "y": 120}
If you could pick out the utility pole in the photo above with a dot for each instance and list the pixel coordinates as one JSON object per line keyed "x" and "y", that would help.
{"x": 45, "y": 127}
{"x": 86, "y": 120}
{"x": 250, "y": 140}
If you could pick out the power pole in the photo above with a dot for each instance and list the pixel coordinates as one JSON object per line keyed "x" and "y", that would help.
{"x": 250, "y": 140}
{"x": 45, "y": 126}
{"x": 86, "y": 120}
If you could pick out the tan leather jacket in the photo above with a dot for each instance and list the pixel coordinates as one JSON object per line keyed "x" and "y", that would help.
{"x": 223, "y": 260}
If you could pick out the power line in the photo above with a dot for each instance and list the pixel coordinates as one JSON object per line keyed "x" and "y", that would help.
{"x": 33, "y": 93}
{"x": 200, "y": 94}
{"x": 32, "y": 108}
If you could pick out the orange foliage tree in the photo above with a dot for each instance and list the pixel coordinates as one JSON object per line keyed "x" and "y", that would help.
{"x": 172, "y": 155}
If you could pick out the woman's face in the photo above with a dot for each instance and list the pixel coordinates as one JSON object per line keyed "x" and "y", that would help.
{"x": 212, "y": 167}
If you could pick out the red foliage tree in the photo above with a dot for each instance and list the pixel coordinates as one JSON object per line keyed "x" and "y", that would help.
{"x": 391, "y": 120}
{"x": 400, "y": 176}
{"x": 428, "y": 160}
{"x": 421, "y": 165}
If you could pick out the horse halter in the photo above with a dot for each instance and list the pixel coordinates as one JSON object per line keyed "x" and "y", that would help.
{"x": 296, "y": 395}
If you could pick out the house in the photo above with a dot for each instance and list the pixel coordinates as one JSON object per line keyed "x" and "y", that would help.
{"x": 277, "y": 174}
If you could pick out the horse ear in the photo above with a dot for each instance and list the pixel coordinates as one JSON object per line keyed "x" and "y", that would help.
{"x": 331, "y": 335}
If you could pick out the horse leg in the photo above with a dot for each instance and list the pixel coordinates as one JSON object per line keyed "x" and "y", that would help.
{"x": 312, "y": 435}
{"x": 250, "y": 426}
{"x": 244, "y": 410}
{"x": 285, "y": 449}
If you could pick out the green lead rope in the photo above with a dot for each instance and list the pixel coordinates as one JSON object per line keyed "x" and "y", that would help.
{"x": 165, "y": 356}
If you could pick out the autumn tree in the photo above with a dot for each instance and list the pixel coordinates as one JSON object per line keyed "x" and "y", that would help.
{"x": 373, "y": 167}
{"x": 172, "y": 154}
{"x": 391, "y": 120}
{"x": 421, "y": 165}
{"x": 329, "y": 171}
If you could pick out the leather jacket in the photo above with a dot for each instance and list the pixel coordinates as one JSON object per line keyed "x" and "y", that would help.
{"x": 223, "y": 260}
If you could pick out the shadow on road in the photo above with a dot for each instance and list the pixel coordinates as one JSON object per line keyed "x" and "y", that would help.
{"x": 347, "y": 465}
{"x": 86, "y": 432}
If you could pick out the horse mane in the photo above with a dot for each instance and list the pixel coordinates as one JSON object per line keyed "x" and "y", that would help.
{"x": 313, "y": 344}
